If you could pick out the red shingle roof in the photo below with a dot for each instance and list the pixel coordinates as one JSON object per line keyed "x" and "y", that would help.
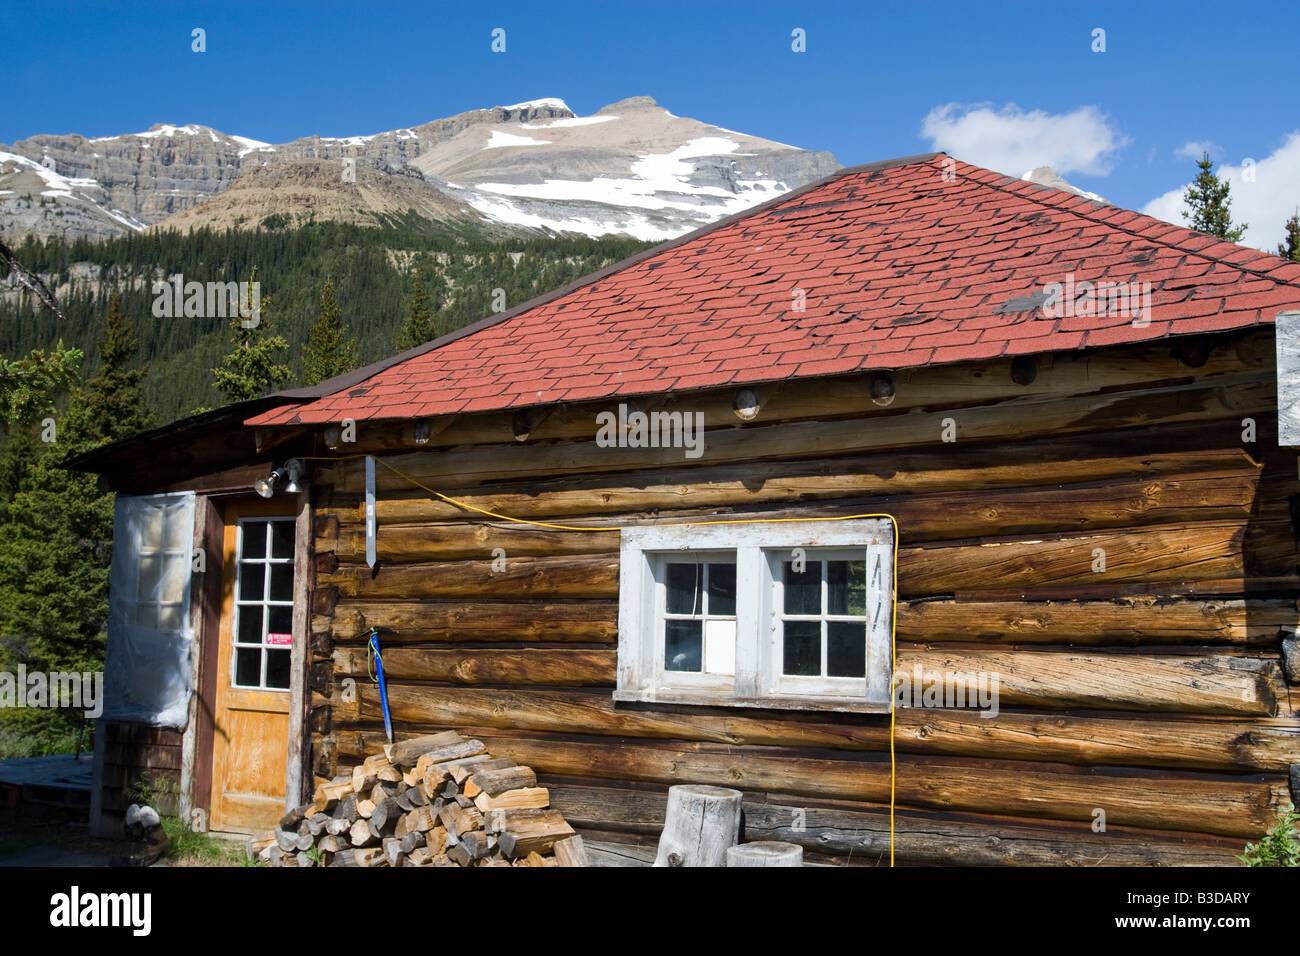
{"x": 902, "y": 264}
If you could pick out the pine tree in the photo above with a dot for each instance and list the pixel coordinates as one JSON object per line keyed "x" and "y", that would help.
{"x": 418, "y": 326}
{"x": 330, "y": 349}
{"x": 250, "y": 369}
{"x": 1290, "y": 247}
{"x": 1209, "y": 207}
{"x": 110, "y": 402}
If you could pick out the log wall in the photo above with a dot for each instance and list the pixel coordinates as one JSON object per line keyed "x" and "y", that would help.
{"x": 1152, "y": 692}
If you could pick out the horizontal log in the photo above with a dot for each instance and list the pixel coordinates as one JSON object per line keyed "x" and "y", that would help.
{"x": 1134, "y": 621}
{"x": 1139, "y": 620}
{"x": 921, "y": 517}
{"x": 1206, "y": 550}
{"x": 554, "y": 667}
{"x": 1018, "y": 419}
{"x": 924, "y": 839}
{"x": 590, "y": 621}
{"x": 1064, "y": 373}
{"x": 1197, "y": 684}
{"x": 879, "y": 475}
{"x": 589, "y": 577}
{"x": 1219, "y": 804}
{"x": 1268, "y": 745}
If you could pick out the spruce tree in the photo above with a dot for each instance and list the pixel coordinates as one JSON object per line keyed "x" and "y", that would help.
{"x": 1289, "y": 248}
{"x": 250, "y": 370}
{"x": 1209, "y": 206}
{"x": 58, "y": 532}
{"x": 418, "y": 325}
{"x": 330, "y": 349}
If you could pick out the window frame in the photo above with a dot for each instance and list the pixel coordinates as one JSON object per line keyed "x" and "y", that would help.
{"x": 265, "y": 603}
{"x": 759, "y": 549}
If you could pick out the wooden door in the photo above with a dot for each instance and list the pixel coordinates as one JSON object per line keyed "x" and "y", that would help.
{"x": 251, "y": 716}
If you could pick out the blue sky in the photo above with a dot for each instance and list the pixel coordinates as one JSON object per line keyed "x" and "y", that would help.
{"x": 1019, "y": 81}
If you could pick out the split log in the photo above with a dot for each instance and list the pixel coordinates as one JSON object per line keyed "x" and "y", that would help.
{"x": 418, "y": 820}
{"x": 701, "y": 822}
{"x": 406, "y": 753}
{"x": 496, "y": 782}
{"x": 534, "y": 835}
{"x": 521, "y": 798}
{"x": 571, "y": 852}
{"x": 360, "y": 834}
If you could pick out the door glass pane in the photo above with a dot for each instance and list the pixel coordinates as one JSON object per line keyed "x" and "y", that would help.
{"x": 279, "y": 619}
{"x": 803, "y": 648}
{"x": 683, "y": 645}
{"x": 146, "y": 615}
{"x": 682, "y": 583}
{"x": 248, "y": 666}
{"x": 254, "y": 539}
{"x": 846, "y": 649}
{"x": 175, "y": 576}
{"x": 846, "y": 587}
{"x": 277, "y": 669}
{"x": 282, "y": 539}
{"x": 722, "y": 590}
{"x": 250, "y": 624}
{"x": 803, "y": 589}
{"x": 180, "y": 534}
{"x": 252, "y": 579}
{"x": 282, "y": 582}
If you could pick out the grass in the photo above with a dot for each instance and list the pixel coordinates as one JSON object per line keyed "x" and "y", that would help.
{"x": 189, "y": 848}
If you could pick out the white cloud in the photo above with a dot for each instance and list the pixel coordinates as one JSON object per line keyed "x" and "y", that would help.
{"x": 1196, "y": 148}
{"x": 1264, "y": 203}
{"x": 1012, "y": 140}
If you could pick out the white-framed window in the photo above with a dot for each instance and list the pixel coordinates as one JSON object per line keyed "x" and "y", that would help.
{"x": 263, "y": 619}
{"x": 788, "y": 615}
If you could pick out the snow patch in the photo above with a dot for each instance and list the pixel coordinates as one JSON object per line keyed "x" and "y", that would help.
{"x": 553, "y": 102}
{"x": 251, "y": 145}
{"x": 499, "y": 139}
{"x": 572, "y": 121}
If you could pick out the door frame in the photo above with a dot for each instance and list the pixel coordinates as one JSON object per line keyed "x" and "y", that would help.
{"x": 199, "y": 738}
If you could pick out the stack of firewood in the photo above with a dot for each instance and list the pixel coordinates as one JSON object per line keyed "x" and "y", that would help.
{"x": 438, "y": 800}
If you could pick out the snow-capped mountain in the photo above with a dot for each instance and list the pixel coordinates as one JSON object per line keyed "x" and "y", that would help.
{"x": 631, "y": 168}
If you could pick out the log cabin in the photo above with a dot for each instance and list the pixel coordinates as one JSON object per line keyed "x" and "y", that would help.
{"x": 920, "y": 500}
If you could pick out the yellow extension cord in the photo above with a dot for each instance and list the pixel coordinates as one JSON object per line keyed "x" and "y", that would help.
{"x": 893, "y": 623}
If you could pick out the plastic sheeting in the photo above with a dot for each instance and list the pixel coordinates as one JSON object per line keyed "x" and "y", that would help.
{"x": 149, "y": 660}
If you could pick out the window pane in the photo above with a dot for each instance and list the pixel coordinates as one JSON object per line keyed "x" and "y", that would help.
{"x": 282, "y": 539}
{"x": 683, "y": 585}
{"x": 282, "y": 582}
{"x": 146, "y": 615}
{"x": 846, "y": 587}
{"x": 803, "y": 590}
{"x": 255, "y": 539}
{"x": 151, "y": 529}
{"x": 169, "y": 617}
{"x": 846, "y": 649}
{"x": 150, "y": 577}
{"x": 251, "y": 581}
{"x": 722, "y": 590}
{"x": 175, "y": 576}
{"x": 250, "y": 624}
{"x": 720, "y": 647}
{"x": 277, "y": 669}
{"x": 180, "y": 536}
{"x": 683, "y": 644}
{"x": 803, "y": 648}
{"x": 248, "y": 666}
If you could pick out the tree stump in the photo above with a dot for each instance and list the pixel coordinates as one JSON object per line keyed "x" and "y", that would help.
{"x": 765, "y": 853}
{"x": 700, "y": 824}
